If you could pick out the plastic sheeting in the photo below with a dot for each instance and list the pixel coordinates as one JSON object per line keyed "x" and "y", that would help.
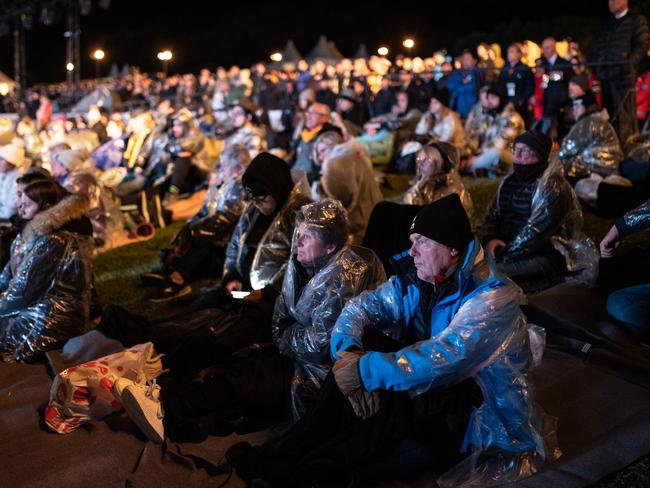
{"x": 478, "y": 331}
{"x": 591, "y": 146}
{"x": 306, "y": 311}
{"x": 556, "y": 215}
{"x": 348, "y": 177}
{"x": 103, "y": 212}
{"x": 637, "y": 219}
{"x": 46, "y": 285}
{"x": 215, "y": 221}
{"x": 274, "y": 249}
{"x": 502, "y": 129}
{"x": 428, "y": 190}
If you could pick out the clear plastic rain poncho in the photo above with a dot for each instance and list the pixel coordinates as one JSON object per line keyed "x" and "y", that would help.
{"x": 273, "y": 250}
{"x": 46, "y": 285}
{"x": 477, "y": 331}
{"x": 104, "y": 212}
{"x": 502, "y": 130}
{"x": 313, "y": 296}
{"x": 556, "y": 215}
{"x": 347, "y": 176}
{"x": 591, "y": 146}
{"x": 635, "y": 220}
{"x": 428, "y": 190}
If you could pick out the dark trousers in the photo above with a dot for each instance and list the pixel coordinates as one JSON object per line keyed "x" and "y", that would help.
{"x": 193, "y": 341}
{"x": 330, "y": 444}
{"x": 245, "y": 393}
{"x": 620, "y": 101}
{"x": 535, "y": 273}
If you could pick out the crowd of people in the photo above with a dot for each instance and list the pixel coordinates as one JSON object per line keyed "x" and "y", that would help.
{"x": 366, "y": 322}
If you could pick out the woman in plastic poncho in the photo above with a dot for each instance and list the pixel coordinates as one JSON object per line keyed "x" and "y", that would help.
{"x": 46, "y": 286}
{"x": 437, "y": 176}
{"x": 260, "y": 386}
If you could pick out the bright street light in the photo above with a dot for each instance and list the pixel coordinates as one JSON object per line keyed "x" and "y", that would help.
{"x": 408, "y": 43}
{"x": 69, "y": 67}
{"x": 277, "y": 57}
{"x": 98, "y": 55}
{"x": 165, "y": 55}
{"x": 382, "y": 51}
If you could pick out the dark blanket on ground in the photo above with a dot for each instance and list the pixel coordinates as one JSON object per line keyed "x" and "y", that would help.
{"x": 604, "y": 425}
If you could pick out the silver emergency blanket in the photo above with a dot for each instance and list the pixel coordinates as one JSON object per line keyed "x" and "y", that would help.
{"x": 501, "y": 130}
{"x": 312, "y": 298}
{"x": 104, "y": 212}
{"x": 591, "y": 146}
{"x": 446, "y": 129}
{"x": 347, "y": 176}
{"x": 274, "y": 249}
{"x": 427, "y": 190}
{"x": 46, "y": 285}
{"x": 483, "y": 335}
{"x": 555, "y": 201}
{"x": 251, "y": 137}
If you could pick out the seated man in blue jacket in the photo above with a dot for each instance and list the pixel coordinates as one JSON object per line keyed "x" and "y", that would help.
{"x": 453, "y": 376}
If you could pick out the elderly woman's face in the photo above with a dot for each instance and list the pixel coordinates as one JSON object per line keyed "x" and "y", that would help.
{"x": 309, "y": 247}
{"x": 427, "y": 166}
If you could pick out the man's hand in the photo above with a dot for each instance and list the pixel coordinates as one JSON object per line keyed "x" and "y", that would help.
{"x": 346, "y": 372}
{"x": 495, "y": 246}
{"x": 233, "y": 285}
{"x": 609, "y": 243}
{"x": 364, "y": 403}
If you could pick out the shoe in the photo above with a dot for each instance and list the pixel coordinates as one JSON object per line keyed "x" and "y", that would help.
{"x": 169, "y": 293}
{"x": 119, "y": 386}
{"x": 142, "y": 404}
{"x": 153, "y": 279}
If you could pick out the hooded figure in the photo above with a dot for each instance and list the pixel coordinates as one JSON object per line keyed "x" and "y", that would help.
{"x": 103, "y": 211}
{"x": 313, "y": 296}
{"x": 591, "y": 146}
{"x": 437, "y": 176}
{"x": 259, "y": 248}
{"x": 46, "y": 286}
{"x": 347, "y": 176}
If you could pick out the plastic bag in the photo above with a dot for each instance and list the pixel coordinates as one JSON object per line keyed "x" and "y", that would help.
{"x": 84, "y": 392}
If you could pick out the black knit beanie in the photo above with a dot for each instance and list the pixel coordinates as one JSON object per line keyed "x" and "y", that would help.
{"x": 268, "y": 175}
{"x": 538, "y": 142}
{"x": 444, "y": 221}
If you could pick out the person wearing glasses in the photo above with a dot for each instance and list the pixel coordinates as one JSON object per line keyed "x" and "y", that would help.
{"x": 534, "y": 219}
{"x": 318, "y": 118}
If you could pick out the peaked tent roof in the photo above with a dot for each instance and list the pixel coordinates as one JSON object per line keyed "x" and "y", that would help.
{"x": 323, "y": 51}
{"x": 334, "y": 50}
{"x": 290, "y": 53}
{"x": 362, "y": 52}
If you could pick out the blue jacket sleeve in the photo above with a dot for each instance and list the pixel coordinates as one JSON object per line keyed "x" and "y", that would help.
{"x": 482, "y": 327}
{"x": 382, "y": 308}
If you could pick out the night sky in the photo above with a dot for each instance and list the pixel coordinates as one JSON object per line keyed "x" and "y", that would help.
{"x": 132, "y": 31}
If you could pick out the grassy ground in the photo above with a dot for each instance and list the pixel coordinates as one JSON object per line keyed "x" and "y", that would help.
{"x": 117, "y": 278}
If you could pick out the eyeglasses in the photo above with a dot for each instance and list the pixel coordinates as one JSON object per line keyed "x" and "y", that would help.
{"x": 524, "y": 151}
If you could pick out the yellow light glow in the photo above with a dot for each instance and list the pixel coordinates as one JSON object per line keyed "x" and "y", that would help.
{"x": 69, "y": 67}
{"x": 4, "y": 89}
{"x": 99, "y": 54}
{"x": 408, "y": 43}
{"x": 165, "y": 55}
{"x": 277, "y": 57}
{"x": 382, "y": 51}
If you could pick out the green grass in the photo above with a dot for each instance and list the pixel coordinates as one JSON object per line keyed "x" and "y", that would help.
{"x": 117, "y": 275}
